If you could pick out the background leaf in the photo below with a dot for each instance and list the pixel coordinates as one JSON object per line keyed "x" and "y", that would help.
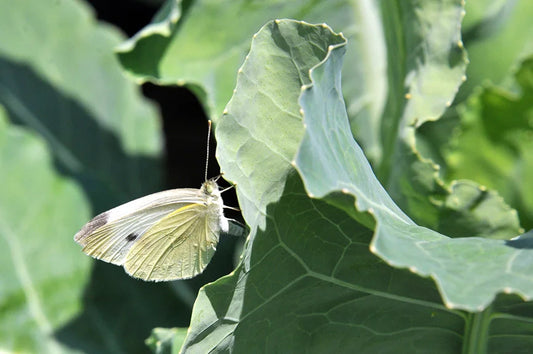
{"x": 78, "y": 93}
{"x": 60, "y": 80}
{"x": 504, "y": 25}
{"x": 42, "y": 274}
{"x": 209, "y": 52}
{"x": 493, "y": 142}
{"x": 426, "y": 66}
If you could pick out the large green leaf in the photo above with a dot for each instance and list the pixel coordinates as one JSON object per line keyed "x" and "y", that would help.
{"x": 312, "y": 277}
{"x": 274, "y": 144}
{"x": 43, "y": 275}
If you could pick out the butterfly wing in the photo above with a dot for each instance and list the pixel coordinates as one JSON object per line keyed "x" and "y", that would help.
{"x": 111, "y": 235}
{"x": 179, "y": 246}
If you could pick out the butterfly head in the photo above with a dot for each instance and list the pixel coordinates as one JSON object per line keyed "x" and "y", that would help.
{"x": 210, "y": 187}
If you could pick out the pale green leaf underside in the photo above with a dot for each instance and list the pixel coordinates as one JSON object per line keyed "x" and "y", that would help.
{"x": 94, "y": 120}
{"x": 43, "y": 275}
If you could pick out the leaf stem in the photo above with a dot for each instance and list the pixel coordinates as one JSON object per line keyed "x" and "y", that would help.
{"x": 477, "y": 332}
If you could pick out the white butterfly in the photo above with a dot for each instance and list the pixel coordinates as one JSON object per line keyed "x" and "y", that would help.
{"x": 163, "y": 236}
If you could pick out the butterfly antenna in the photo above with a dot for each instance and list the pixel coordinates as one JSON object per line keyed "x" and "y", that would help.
{"x": 207, "y": 153}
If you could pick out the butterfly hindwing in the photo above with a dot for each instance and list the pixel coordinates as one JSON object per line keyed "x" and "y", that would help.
{"x": 179, "y": 246}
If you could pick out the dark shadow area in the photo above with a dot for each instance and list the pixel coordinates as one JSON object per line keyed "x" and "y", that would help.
{"x": 129, "y": 15}
{"x": 523, "y": 241}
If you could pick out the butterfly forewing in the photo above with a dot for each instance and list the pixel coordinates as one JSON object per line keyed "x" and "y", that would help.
{"x": 179, "y": 246}
{"x": 110, "y": 235}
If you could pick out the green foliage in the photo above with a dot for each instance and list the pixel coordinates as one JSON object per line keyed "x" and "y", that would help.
{"x": 494, "y": 141}
{"x": 78, "y": 139}
{"x": 384, "y": 201}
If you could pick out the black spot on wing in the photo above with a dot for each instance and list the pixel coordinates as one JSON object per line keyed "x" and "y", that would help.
{"x": 131, "y": 237}
{"x": 91, "y": 226}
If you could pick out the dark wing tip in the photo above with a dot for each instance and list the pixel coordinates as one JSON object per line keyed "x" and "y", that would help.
{"x": 91, "y": 226}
